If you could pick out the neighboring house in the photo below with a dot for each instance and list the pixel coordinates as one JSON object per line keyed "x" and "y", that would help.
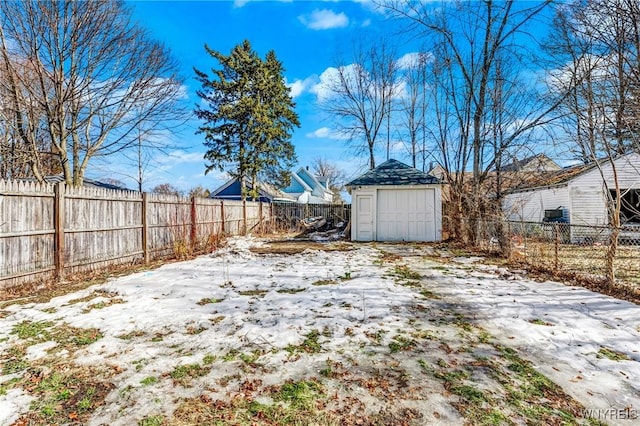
{"x": 230, "y": 190}
{"x": 514, "y": 174}
{"x": 577, "y": 195}
{"x": 395, "y": 202}
{"x": 304, "y": 188}
{"x": 534, "y": 163}
{"x": 90, "y": 183}
{"x": 308, "y": 189}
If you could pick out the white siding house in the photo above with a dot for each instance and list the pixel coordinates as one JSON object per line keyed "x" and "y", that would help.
{"x": 582, "y": 195}
{"x": 395, "y": 202}
{"x": 304, "y": 188}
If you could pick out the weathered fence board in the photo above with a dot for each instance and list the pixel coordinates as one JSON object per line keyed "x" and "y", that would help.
{"x": 101, "y": 227}
{"x": 49, "y": 231}
{"x": 208, "y": 221}
{"x": 169, "y": 222}
{"x": 233, "y": 217}
{"x": 27, "y": 229}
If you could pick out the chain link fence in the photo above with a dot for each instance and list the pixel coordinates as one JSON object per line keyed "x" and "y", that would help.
{"x": 568, "y": 248}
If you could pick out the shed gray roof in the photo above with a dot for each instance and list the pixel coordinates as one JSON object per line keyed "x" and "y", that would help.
{"x": 393, "y": 172}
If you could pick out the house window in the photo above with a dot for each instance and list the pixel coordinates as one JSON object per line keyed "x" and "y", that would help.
{"x": 630, "y": 208}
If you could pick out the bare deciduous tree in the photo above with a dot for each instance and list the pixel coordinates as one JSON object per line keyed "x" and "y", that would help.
{"x": 24, "y": 147}
{"x": 199, "y": 192}
{"x": 92, "y": 77}
{"x": 598, "y": 42}
{"x": 413, "y": 106}
{"x": 360, "y": 93}
{"x": 166, "y": 189}
{"x": 470, "y": 42}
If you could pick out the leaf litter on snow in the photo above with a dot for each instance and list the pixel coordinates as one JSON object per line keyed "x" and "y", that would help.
{"x": 241, "y": 337}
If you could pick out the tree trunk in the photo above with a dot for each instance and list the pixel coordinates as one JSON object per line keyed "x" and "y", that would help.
{"x": 611, "y": 256}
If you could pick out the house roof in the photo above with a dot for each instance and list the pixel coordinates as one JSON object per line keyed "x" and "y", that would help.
{"x": 555, "y": 178}
{"x": 393, "y": 172}
{"x": 314, "y": 182}
{"x": 540, "y": 159}
{"x": 264, "y": 189}
{"x": 297, "y": 178}
{"x": 85, "y": 182}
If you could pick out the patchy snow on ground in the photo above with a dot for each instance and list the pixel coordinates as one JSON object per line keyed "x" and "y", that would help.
{"x": 217, "y": 310}
{"x": 566, "y": 329}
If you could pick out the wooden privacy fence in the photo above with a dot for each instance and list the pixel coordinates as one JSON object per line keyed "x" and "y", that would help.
{"x": 48, "y": 231}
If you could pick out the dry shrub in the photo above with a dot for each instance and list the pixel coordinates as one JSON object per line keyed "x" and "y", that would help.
{"x": 182, "y": 249}
{"x": 213, "y": 242}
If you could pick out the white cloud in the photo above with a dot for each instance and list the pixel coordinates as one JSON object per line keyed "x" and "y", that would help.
{"x": 397, "y": 147}
{"x": 242, "y": 3}
{"x": 326, "y": 133}
{"x": 330, "y": 78}
{"x": 413, "y": 59}
{"x": 322, "y": 132}
{"x": 366, "y": 23}
{"x": 400, "y": 90}
{"x": 324, "y": 19}
{"x": 298, "y": 87}
{"x": 179, "y": 156}
{"x": 322, "y": 88}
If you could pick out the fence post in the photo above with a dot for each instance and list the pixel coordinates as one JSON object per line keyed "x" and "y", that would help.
{"x": 58, "y": 225}
{"x": 193, "y": 234}
{"x": 557, "y": 243}
{"x": 244, "y": 217}
{"x": 260, "y": 227}
{"x": 524, "y": 241}
{"x": 222, "y": 231}
{"x": 272, "y": 219}
{"x": 145, "y": 227}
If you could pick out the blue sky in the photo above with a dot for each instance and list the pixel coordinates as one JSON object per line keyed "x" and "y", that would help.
{"x": 306, "y": 36}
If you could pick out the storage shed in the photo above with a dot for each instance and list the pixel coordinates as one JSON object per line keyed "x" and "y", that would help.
{"x": 395, "y": 202}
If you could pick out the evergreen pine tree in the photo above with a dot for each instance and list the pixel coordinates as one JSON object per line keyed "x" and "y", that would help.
{"x": 249, "y": 118}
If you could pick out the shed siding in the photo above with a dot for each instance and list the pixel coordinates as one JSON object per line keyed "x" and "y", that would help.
{"x": 358, "y": 234}
{"x": 529, "y": 206}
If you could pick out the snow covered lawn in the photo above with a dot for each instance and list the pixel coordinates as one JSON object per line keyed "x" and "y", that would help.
{"x": 351, "y": 334}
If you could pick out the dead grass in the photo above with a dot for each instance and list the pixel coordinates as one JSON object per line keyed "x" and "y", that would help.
{"x": 578, "y": 265}
{"x": 587, "y": 260}
{"x": 388, "y": 380}
{"x": 613, "y": 355}
{"x": 65, "y": 393}
{"x": 44, "y": 292}
{"x": 298, "y": 246}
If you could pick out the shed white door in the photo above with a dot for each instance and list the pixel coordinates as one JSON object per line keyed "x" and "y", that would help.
{"x": 364, "y": 219}
{"x": 406, "y": 215}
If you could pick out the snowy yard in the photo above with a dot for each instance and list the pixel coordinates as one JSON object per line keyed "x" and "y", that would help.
{"x": 351, "y": 335}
